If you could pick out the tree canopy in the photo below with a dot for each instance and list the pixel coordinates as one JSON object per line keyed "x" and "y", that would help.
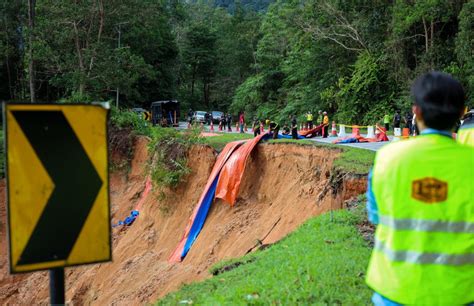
{"x": 355, "y": 59}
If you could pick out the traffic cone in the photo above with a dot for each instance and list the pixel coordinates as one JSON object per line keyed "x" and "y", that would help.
{"x": 333, "y": 129}
{"x": 212, "y": 126}
{"x": 355, "y": 131}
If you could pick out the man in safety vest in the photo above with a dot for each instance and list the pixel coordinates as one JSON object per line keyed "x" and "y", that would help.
{"x": 386, "y": 121}
{"x": 325, "y": 125}
{"x": 309, "y": 120}
{"x": 466, "y": 130}
{"x": 420, "y": 195}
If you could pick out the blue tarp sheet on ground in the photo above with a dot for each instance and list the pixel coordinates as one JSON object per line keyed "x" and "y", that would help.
{"x": 348, "y": 140}
{"x": 200, "y": 217}
{"x": 281, "y": 136}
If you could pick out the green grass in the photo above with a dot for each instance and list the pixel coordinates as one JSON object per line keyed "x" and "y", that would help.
{"x": 219, "y": 142}
{"x": 353, "y": 160}
{"x": 323, "y": 262}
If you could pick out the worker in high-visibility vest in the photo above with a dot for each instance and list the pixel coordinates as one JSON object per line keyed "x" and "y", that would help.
{"x": 325, "y": 125}
{"x": 466, "y": 130}
{"x": 309, "y": 120}
{"x": 420, "y": 195}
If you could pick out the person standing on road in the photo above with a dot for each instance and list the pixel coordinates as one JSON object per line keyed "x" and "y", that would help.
{"x": 274, "y": 129}
{"x": 224, "y": 121}
{"x": 190, "y": 116}
{"x": 420, "y": 196}
{"x": 408, "y": 120}
{"x": 294, "y": 127}
{"x": 325, "y": 125}
{"x": 397, "y": 119}
{"x": 386, "y": 121}
{"x": 309, "y": 120}
{"x": 229, "y": 122}
{"x": 466, "y": 130}
{"x": 256, "y": 127}
{"x": 241, "y": 122}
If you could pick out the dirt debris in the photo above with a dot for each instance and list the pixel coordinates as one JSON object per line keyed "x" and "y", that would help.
{"x": 281, "y": 182}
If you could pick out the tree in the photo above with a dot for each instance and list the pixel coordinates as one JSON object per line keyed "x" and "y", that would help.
{"x": 31, "y": 37}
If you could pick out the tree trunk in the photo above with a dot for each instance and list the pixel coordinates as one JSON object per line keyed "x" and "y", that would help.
{"x": 432, "y": 39}
{"x": 9, "y": 74}
{"x": 193, "y": 81}
{"x": 427, "y": 37}
{"x": 31, "y": 64}
{"x": 82, "y": 85}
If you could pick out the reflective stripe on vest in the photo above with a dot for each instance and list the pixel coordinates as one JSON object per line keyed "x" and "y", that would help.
{"x": 427, "y": 225}
{"x": 424, "y": 258}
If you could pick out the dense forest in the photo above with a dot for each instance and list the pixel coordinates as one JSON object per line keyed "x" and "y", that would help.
{"x": 355, "y": 59}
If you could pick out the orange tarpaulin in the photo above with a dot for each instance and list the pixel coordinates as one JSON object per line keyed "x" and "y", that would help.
{"x": 231, "y": 174}
{"x": 312, "y": 132}
{"x": 180, "y": 251}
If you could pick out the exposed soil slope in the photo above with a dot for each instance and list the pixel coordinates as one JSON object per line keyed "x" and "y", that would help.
{"x": 283, "y": 186}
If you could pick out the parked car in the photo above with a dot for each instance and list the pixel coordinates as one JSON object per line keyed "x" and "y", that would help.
{"x": 217, "y": 116}
{"x": 199, "y": 116}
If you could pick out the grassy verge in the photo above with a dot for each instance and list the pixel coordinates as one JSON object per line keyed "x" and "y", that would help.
{"x": 323, "y": 262}
{"x": 168, "y": 146}
{"x": 353, "y": 160}
{"x": 219, "y": 142}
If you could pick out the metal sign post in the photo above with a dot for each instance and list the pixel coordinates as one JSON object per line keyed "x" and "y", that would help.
{"x": 56, "y": 286}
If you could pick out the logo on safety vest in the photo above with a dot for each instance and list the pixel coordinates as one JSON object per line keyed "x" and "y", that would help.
{"x": 429, "y": 190}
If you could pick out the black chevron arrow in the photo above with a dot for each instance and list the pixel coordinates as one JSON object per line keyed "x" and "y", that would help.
{"x": 76, "y": 185}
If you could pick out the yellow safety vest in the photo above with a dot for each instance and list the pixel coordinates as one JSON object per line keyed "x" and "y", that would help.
{"x": 466, "y": 133}
{"x": 309, "y": 117}
{"x": 424, "y": 242}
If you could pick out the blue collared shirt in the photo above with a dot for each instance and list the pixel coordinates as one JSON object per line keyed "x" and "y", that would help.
{"x": 372, "y": 213}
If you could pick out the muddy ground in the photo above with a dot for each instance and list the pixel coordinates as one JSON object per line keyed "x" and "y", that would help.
{"x": 283, "y": 185}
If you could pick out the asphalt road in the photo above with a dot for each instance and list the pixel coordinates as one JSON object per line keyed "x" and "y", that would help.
{"x": 373, "y": 146}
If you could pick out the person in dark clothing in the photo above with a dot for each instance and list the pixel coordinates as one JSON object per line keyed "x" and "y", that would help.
{"x": 224, "y": 122}
{"x": 229, "y": 122}
{"x": 206, "y": 118}
{"x": 286, "y": 129}
{"x": 274, "y": 129}
{"x": 294, "y": 127}
{"x": 190, "y": 116}
{"x": 256, "y": 127}
{"x": 408, "y": 121}
{"x": 397, "y": 119}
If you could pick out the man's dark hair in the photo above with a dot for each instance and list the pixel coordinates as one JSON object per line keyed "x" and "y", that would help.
{"x": 441, "y": 99}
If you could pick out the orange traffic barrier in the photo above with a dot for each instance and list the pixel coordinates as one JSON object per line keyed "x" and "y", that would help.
{"x": 405, "y": 133}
